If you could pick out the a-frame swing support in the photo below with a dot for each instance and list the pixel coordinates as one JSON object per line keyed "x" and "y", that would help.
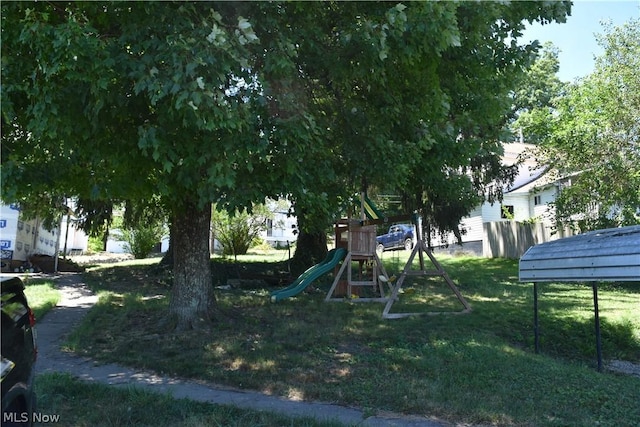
{"x": 361, "y": 248}
{"x": 420, "y": 249}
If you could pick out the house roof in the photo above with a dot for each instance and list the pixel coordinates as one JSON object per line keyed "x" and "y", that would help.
{"x": 517, "y": 151}
{"x": 526, "y": 175}
{"x": 603, "y": 255}
{"x": 529, "y": 171}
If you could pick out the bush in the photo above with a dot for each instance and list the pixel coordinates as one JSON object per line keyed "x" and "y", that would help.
{"x": 238, "y": 232}
{"x": 141, "y": 240}
{"x": 95, "y": 245}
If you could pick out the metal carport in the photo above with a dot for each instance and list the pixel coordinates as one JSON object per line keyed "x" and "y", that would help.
{"x": 611, "y": 255}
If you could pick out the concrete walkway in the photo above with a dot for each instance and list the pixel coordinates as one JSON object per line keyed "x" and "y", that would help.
{"x": 77, "y": 299}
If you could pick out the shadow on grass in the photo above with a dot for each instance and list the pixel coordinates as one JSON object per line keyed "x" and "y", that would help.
{"x": 478, "y": 368}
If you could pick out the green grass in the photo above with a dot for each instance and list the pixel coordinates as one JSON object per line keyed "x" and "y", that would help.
{"x": 261, "y": 255}
{"x": 42, "y": 296}
{"x": 81, "y": 404}
{"x": 473, "y": 368}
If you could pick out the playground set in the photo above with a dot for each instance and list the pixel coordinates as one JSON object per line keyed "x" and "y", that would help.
{"x": 366, "y": 278}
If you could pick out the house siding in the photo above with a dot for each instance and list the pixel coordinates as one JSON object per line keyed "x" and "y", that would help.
{"x": 473, "y": 228}
{"x": 21, "y": 238}
{"x": 543, "y": 210}
{"x": 282, "y": 228}
{"x": 520, "y": 203}
{"x": 491, "y": 212}
{"x": 77, "y": 241}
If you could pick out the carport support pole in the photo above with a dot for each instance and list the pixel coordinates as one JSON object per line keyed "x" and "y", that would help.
{"x": 535, "y": 317}
{"x": 597, "y": 321}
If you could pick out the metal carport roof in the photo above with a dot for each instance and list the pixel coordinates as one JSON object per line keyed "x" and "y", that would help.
{"x": 611, "y": 255}
{"x": 603, "y": 255}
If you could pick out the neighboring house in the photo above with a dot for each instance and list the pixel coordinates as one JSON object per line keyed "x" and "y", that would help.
{"x": 21, "y": 238}
{"x": 75, "y": 240}
{"x": 116, "y": 244}
{"x": 528, "y": 199}
{"x": 282, "y": 229}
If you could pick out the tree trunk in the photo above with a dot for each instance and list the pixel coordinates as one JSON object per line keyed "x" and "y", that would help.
{"x": 167, "y": 259}
{"x": 192, "y": 301}
{"x": 105, "y": 239}
{"x": 311, "y": 248}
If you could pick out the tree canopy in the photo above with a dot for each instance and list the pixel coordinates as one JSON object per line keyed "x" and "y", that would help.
{"x": 535, "y": 96}
{"x": 594, "y": 137}
{"x": 198, "y": 103}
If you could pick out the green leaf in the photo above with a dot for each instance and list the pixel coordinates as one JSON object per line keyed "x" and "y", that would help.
{"x": 243, "y": 24}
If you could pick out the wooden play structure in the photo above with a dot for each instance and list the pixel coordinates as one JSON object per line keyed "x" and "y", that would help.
{"x": 360, "y": 242}
{"x": 366, "y": 279}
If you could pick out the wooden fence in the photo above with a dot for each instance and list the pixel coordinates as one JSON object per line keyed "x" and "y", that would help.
{"x": 511, "y": 239}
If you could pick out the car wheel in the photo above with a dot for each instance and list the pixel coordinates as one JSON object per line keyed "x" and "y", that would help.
{"x": 408, "y": 244}
{"x": 380, "y": 247}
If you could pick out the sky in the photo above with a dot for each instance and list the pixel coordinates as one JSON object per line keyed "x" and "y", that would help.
{"x": 576, "y": 38}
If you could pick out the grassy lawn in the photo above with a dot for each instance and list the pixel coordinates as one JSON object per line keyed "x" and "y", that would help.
{"x": 42, "y": 296}
{"x": 475, "y": 368}
{"x": 82, "y": 404}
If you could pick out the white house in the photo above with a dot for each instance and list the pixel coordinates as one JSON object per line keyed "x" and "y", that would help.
{"x": 22, "y": 238}
{"x": 116, "y": 244}
{"x": 282, "y": 229}
{"x": 75, "y": 240}
{"x": 528, "y": 199}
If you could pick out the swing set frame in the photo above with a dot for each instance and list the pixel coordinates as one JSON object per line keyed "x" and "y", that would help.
{"x": 421, "y": 249}
{"x": 362, "y": 245}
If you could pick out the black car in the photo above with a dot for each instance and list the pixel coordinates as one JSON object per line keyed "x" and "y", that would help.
{"x": 19, "y": 352}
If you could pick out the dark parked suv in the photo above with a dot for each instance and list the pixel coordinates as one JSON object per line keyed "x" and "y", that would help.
{"x": 399, "y": 236}
{"x": 19, "y": 353}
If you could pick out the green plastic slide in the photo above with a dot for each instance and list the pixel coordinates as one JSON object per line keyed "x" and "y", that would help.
{"x": 332, "y": 259}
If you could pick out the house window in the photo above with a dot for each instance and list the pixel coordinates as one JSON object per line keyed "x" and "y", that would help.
{"x": 537, "y": 200}
{"x": 269, "y": 227}
{"x": 507, "y": 212}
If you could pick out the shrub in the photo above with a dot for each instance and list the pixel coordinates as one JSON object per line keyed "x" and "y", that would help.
{"x": 95, "y": 244}
{"x": 238, "y": 232}
{"x": 141, "y": 240}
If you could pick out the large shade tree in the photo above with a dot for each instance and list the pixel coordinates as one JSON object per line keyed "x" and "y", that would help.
{"x": 195, "y": 103}
{"x": 405, "y": 99}
{"x": 594, "y": 137}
